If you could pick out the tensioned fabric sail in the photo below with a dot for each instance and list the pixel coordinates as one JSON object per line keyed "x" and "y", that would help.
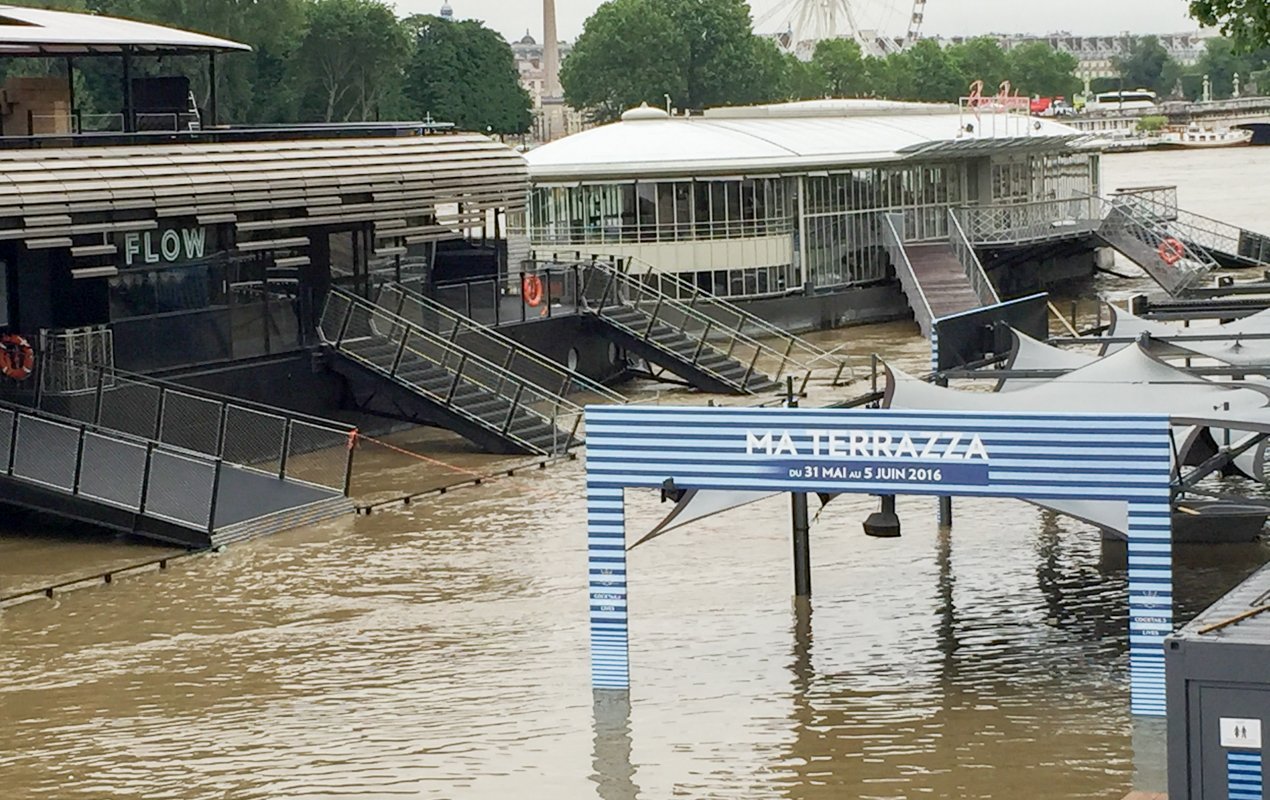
{"x": 1229, "y": 350}
{"x": 1132, "y": 380}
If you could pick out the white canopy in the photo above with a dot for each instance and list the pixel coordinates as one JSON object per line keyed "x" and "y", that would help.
{"x": 37, "y": 31}
{"x": 1230, "y": 350}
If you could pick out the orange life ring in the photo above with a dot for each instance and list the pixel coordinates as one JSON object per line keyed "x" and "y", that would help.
{"x": 531, "y": 289}
{"x": 1171, "y": 251}
{"x": 17, "y": 359}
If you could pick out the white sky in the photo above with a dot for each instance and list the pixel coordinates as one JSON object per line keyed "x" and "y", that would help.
{"x": 513, "y": 17}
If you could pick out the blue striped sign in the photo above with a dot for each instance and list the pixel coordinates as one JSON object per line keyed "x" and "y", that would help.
{"x": 1111, "y": 457}
{"x": 1243, "y": 775}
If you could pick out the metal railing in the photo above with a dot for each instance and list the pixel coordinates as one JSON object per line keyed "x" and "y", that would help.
{"x": 133, "y": 473}
{"x": 904, "y": 271}
{"x": 472, "y": 335}
{"x": 802, "y": 355}
{"x": 1215, "y": 236}
{"x": 1040, "y": 220}
{"x": 970, "y": 263}
{"x": 71, "y": 359}
{"x": 388, "y": 344}
{"x": 649, "y": 233}
{"x": 500, "y": 301}
{"x": 271, "y": 441}
{"x": 605, "y": 286}
{"x": 1150, "y": 234}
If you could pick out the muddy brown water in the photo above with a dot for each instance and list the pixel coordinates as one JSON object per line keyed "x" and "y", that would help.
{"x": 440, "y": 649}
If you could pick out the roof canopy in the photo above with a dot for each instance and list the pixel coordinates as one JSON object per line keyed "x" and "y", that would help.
{"x": 39, "y": 32}
{"x": 788, "y": 137}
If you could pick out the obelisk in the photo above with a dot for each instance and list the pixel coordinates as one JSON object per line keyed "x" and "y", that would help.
{"x": 552, "y": 95}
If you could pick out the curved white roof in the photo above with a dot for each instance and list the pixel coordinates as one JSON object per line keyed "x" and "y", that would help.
{"x": 37, "y": 31}
{"x": 822, "y": 134}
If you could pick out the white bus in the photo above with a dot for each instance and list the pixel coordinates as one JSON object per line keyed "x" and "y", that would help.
{"x": 1134, "y": 100}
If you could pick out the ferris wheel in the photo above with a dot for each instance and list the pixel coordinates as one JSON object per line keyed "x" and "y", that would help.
{"x": 880, "y": 26}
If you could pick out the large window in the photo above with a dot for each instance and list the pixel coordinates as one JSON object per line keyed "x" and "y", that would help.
{"x": 659, "y": 211}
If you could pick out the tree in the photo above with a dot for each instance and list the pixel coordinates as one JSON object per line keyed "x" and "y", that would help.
{"x": 465, "y": 73}
{"x": 936, "y": 77}
{"x": 629, "y": 52}
{"x": 725, "y": 60}
{"x": 839, "y": 66}
{"x": 801, "y": 80}
{"x": 981, "y": 59}
{"x": 1038, "y": 69}
{"x": 1245, "y": 21}
{"x": 349, "y": 63}
{"x": 1147, "y": 65}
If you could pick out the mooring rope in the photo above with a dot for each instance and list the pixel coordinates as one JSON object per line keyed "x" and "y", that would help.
{"x": 355, "y": 435}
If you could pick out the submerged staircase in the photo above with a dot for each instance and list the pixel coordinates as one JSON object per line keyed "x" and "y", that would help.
{"x": 167, "y": 462}
{"x": 705, "y": 340}
{"x": 1228, "y": 245}
{"x": 940, "y": 279}
{"x": 399, "y": 368}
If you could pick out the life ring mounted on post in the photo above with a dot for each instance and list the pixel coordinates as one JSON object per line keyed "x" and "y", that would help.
{"x": 17, "y": 358}
{"x": 531, "y": 289}
{"x": 1171, "y": 251}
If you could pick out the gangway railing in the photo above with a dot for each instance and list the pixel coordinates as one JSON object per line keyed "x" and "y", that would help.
{"x": 803, "y": 355}
{"x": 1036, "y": 221}
{"x": 970, "y": 263}
{"x": 1150, "y": 233}
{"x": 385, "y": 342}
{"x": 1215, "y": 236}
{"x": 285, "y": 444}
{"x": 500, "y": 301}
{"x": 607, "y": 286}
{"x": 514, "y": 356}
{"x": 917, "y": 300}
{"x": 133, "y": 473}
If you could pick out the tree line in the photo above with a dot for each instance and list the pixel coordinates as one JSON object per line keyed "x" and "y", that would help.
{"x": 317, "y": 61}
{"x": 1147, "y": 65}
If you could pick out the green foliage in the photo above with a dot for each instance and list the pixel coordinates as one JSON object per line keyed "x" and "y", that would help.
{"x": 981, "y": 59}
{"x": 1222, "y": 61}
{"x": 464, "y": 73}
{"x": 1153, "y": 124}
{"x": 1036, "y": 69}
{"x": 838, "y": 65}
{"x": 1147, "y": 65}
{"x": 1247, "y": 22}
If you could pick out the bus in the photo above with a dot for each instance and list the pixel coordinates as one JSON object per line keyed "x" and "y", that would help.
{"x": 1134, "y": 100}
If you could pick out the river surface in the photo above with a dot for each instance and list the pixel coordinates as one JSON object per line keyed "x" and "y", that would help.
{"x": 440, "y": 649}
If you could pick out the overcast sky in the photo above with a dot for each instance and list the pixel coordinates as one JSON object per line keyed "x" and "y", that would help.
{"x": 513, "y": 17}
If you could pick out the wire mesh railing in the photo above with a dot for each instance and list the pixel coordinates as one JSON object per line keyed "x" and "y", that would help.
{"x": 280, "y": 443}
{"x": 607, "y": 288}
{"x": 501, "y": 301}
{"x": 537, "y": 420}
{"x": 128, "y": 472}
{"x": 917, "y": 300}
{"x": 970, "y": 263}
{"x": 1018, "y": 223}
{"x": 1159, "y": 204}
{"x": 1175, "y": 263}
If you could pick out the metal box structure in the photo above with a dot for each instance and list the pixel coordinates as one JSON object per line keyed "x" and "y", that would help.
{"x": 1218, "y": 685}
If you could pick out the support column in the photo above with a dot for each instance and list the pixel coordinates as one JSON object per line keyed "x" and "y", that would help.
{"x": 945, "y": 512}
{"x": 1150, "y": 601}
{"x": 606, "y": 568}
{"x": 802, "y": 545}
{"x": 212, "y": 111}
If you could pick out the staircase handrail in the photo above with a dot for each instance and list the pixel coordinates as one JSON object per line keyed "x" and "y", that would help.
{"x": 215, "y": 464}
{"x": 109, "y": 378}
{"x": 1013, "y": 223}
{"x": 1122, "y": 217}
{"x": 1204, "y": 232}
{"x": 970, "y": 263}
{"x": 804, "y": 354}
{"x": 523, "y": 397}
{"x": 514, "y": 350}
{"x": 894, "y": 245}
{"x": 615, "y": 282}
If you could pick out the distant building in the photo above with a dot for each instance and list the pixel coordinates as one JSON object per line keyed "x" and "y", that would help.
{"x": 1096, "y": 54}
{"x": 446, "y": 11}
{"x": 531, "y": 64}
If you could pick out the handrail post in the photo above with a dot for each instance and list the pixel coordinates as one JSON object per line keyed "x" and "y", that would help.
{"x": 401, "y": 352}
{"x": 97, "y": 401}
{"x": 79, "y": 459}
{"x": 653, "y": 318}
{"x": 348, "y": 462}
{"x": 145, "y": 478}
{"x": 221, "y": 430}
{"x": 701, "y": 343}
{"x": 454, "y": 384}
{"x": 750, "y": 370}
{"x": 211, "y": 511}
{"x": 785, "y": 358}
{"x": 286, "y": 449}
{"x": 573, "y": 432}
{"x": 511, "y": 411}
{"x": 158, "y": 417}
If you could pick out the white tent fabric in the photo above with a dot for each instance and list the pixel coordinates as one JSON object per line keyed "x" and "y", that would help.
{"x": 1230, "y": 351}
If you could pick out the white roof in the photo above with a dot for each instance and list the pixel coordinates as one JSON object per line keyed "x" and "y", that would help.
{"x": 789, "y": 137}
{"x": 35, "y": 31}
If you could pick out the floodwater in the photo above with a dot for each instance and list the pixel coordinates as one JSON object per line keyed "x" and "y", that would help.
{"x": 440, "y": 649}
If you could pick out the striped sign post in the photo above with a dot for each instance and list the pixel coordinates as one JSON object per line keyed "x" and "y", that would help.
{"x": 1120, "y": 458}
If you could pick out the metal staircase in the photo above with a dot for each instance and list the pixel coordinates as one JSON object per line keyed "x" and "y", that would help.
{"x": 465, "y": 332}
{"x": 939, "y": 279}
{"x": 1141, "y": 235}
{"x": 1228, "y": 245}
{"x": 397, "y": 367}
{"x": 714, "y": 354}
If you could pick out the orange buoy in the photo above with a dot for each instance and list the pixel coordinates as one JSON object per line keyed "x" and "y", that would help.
{"x": 17, "y": 359}
{"x": 1171, "y": 251}
{"x": 531, "y": 289}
